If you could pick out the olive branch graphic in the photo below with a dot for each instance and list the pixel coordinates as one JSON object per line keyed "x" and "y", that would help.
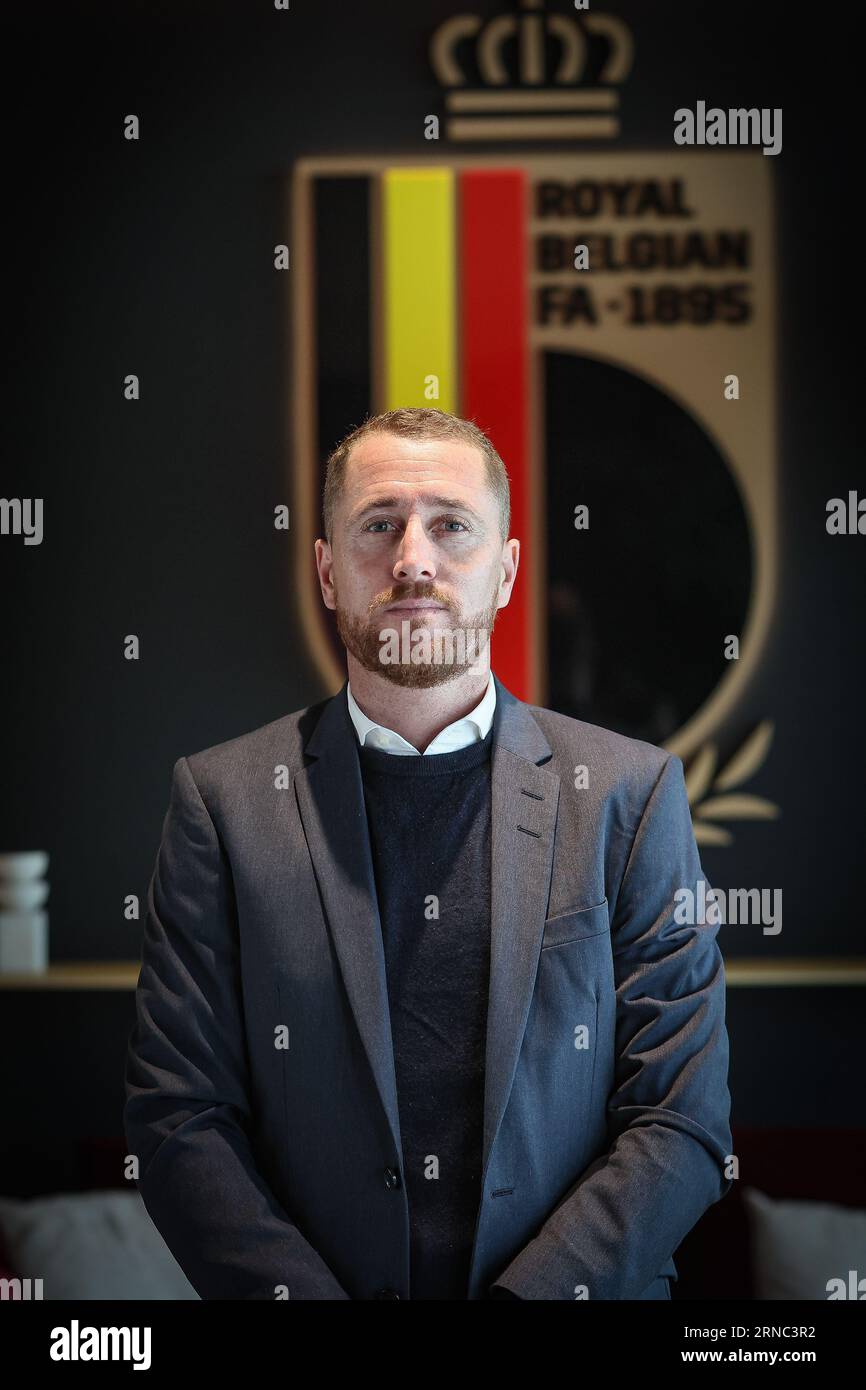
{"x": 702, "y": 778}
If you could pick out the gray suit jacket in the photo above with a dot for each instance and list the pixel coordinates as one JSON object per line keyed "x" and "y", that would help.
{"x": 261, "y": 1095}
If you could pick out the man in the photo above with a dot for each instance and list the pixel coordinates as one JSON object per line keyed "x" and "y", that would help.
{"x": 415, "y": 1016}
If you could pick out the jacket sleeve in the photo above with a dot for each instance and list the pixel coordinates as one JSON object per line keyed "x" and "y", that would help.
{"x": 187, "y": 1110}
{"x": 669, "y": 1108}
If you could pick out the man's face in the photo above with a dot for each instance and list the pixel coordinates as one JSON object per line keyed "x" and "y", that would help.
{"x": 416, "y": 524}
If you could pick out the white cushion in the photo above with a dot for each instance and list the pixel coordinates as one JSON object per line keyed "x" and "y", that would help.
{"x": 798, "y": 1246}
{"x": 91, "y": 1245}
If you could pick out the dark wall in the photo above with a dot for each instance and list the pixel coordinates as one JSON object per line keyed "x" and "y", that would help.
{"x": 156, "y": 258}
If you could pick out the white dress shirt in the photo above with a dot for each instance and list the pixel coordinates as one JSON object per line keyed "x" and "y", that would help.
{"x": 471, "y": 728}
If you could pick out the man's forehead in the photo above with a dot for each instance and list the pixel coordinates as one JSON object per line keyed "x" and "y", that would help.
{"x": 381, "y": 451}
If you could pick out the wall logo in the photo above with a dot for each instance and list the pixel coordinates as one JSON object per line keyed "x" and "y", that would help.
{"x": 591, "y": 311}
{"x": 532, "y": 75}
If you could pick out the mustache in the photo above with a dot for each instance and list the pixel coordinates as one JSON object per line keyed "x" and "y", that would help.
{"x": 400, "y": 593}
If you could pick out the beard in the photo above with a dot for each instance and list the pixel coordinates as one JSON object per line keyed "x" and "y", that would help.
{"x": 363, "y": 637}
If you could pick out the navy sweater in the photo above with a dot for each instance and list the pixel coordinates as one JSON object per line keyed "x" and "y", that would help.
{"x": 429, "y": 821}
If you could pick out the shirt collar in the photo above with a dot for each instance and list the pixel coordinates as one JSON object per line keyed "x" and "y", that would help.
{"x": 473, "y": 727}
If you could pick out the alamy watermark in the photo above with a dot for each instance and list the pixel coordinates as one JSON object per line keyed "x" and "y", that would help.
{"x": 736, "y": 126}
{"x": 22, "y": 516}
{"x": 434, "y": 646}
{"x": 713, "y": 907}
{"x": 18, "y": 1290}
{"x": 77, "y": 1343}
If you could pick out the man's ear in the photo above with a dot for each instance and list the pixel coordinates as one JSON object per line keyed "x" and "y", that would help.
{"x": 324, "y": 567}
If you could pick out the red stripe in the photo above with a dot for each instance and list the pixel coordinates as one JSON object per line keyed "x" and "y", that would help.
{"x": 494, "y": 373}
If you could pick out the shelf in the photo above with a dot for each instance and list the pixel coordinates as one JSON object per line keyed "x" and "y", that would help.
{"x": 740, "y": 972}
{"x": 77, "y": 974}
{"x": 796, "y": 970}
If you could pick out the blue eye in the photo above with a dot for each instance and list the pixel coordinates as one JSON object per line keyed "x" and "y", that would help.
{"x": 445, "y": 521}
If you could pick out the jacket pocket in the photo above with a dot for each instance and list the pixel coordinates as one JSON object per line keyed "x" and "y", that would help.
{"x": 576, "y": 925}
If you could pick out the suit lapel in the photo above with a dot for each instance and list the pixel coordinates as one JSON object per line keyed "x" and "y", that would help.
{"x": 524, "y": 803}
{"x": 331, "y": 803}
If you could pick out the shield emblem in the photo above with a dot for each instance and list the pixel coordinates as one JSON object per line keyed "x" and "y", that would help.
{"x": 629, "y": 390}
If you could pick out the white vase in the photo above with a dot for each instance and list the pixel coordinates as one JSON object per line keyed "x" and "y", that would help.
{"x": 23, "y": 941}
{"x": 22, "y": 865}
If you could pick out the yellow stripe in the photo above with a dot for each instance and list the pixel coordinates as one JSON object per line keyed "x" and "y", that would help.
{"x": 419, "y": 281}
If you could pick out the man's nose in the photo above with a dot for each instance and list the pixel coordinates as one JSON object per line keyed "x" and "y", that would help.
{"x": 415, "y": 557}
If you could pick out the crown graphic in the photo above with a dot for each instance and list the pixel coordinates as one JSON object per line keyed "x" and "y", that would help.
{"x": 531, "y": 74}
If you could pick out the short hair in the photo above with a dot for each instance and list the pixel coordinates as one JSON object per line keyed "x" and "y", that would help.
{"x": 417, "y": 422}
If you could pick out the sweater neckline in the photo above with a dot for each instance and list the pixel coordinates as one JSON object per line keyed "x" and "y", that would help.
{"x": 427, "y": 765}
